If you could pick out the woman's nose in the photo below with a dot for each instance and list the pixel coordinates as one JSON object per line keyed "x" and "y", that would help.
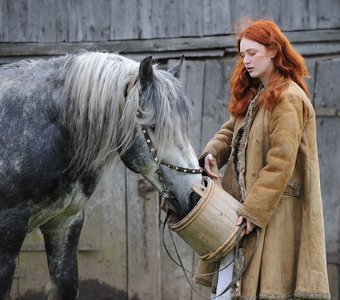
{"x": 246, "y": 59}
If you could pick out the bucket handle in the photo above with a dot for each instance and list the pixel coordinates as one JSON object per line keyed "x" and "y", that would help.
{"x": 199, "y": 189}
{"x": 217, "y": 181}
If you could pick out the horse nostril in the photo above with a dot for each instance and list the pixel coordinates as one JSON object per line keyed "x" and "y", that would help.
{"x": 193, "y": 200}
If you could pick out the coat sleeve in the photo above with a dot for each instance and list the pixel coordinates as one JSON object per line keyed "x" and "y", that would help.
{"x": 219, "y": 145}
{"x": 286, "y": 127}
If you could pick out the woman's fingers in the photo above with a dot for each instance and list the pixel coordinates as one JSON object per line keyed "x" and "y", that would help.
{"x": 209, "y": 163}
{"x": 250, "y": 225}
{"x": 239, "y": 221}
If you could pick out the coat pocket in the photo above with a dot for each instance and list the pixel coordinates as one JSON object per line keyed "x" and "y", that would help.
{"x": 293, "y": 189}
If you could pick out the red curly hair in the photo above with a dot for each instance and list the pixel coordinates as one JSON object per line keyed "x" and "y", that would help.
{"x": 288, "y": 65}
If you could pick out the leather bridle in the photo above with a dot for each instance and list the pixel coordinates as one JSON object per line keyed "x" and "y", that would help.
{"x": 165, "y": 193}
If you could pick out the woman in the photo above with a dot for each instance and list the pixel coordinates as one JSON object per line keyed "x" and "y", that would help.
{"x": 270, "y": 151}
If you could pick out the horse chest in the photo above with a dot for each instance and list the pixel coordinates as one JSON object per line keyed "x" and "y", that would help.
{"x": 68, "y": 204}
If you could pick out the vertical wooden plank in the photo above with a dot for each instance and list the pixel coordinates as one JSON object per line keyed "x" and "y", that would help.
{"x": 113, "y": 256}
{"x": 272, "y": 10}
{"x": 328, "y": 132}
{"x": 102, "y": 246}
{"x": 311, "y": 65}
{"x": 143, "y": 239}
{"x": 327, "y": 13}
{"x": 327, "y": 87}
{"x": 144, "y": 12}
{"x": 216, "y": 97}
{"x": 170, "y": 18}
{"x": 298, "y": 16}
{"x": 174, "y": 283}
{"x": 62, "y": 19}
{"x": 190, "y": 18}
{"x": 117, "y": 24}
{"x": 200, "y": 290}
{"x": 32, "y": 25}
{"x": 17, "y": 20}
{"x": 327, "y": 91}
{"x": 242, "y": 8}
{"x": 217, "y": 18}
{"x": 95, "y": 20}
{"x": 3, "y": 21}
{"x": 124, "y": 19}
{"x": 75, "y": 30}
{"x": 47, "y": 21}
{"x": 157, "y": 18}
{"x": 194, "y": 88}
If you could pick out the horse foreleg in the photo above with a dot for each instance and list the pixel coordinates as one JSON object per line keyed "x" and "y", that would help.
{"x": 61, "y": 236}
{"x": 13, "y": 229}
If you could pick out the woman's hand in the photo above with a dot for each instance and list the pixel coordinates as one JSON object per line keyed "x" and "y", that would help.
{"x": 250, "y": 225}
{"x": 209, "y": 165}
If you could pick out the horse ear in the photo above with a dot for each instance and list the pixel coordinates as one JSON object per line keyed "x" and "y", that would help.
{"x": 176, "y": 69}
{"x": 145, "y": 72}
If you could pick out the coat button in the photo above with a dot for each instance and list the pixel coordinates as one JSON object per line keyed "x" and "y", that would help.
{"x": 253, "y": 174}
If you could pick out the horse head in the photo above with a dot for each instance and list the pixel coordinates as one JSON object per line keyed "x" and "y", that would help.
{"x": 161, "y": 150}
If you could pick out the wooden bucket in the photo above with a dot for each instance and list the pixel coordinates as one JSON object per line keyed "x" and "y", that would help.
{"x": 210, "y": 227}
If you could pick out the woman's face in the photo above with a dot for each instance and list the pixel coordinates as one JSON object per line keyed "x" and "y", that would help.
{"x": 257, "y": 60}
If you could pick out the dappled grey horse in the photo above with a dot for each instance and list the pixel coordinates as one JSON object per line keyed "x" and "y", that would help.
{"x": 63, "y": 121}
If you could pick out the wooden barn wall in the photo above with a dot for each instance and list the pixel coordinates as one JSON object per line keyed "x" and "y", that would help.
{"x": 121, "y": 248}
{"x": 50, "y": 21}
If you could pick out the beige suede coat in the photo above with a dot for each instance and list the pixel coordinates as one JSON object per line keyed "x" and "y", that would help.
{"x": 272, "y": 166}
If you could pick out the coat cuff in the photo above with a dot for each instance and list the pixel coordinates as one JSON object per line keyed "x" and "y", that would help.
{"x": 259, "y": 221}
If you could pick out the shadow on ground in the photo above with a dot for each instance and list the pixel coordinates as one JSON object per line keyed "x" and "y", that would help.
{"x": 88, "y": 290}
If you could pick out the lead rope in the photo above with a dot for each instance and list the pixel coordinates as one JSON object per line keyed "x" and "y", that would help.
{"x": 186, "y": 271}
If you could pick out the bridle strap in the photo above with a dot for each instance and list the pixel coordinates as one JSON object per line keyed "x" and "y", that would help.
{"x": 171, "y": 166}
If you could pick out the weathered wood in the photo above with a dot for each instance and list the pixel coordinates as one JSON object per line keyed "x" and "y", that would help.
{"x": 116, "y": 19}
{"x": 33, "y": 22}
{"x": 174, "y": 284}
{"x": 188, "y": 11}
{"x": 61, "y": 25}
{"x": 290, "y": 15}
{"x": 75, "y": 30}
{"x": 216, "y": 17}
{"x": 97, "y": 27}
{"x": 194, "y": 87}
{"x": 3, "y": 22}
{"x": 200, "y": 290}
{"x": 143, "y": 239}
{"x": 327, "y": 87}
{"x": 334, "y": 280}
{"x": 17, "y": 20}
{"x": 305, "y": 42}
{"x": 216, "y": 96}
{"x": 47, "y": 21}
{"x": 329, "y": 157}
{"x": 144, "y": 26}
{"x": 112, "y": 198}
{"x": 134, "y": 46}
{"x": 311, "y": 65}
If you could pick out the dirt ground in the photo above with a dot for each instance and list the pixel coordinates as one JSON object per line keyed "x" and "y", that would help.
{"x": 88, "y": 290}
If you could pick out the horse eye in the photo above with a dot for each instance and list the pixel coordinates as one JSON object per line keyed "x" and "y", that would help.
{"x": 152, "y": 127}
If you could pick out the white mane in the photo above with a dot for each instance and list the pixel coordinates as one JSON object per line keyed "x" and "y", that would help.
{"x": 100, "y": 117}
